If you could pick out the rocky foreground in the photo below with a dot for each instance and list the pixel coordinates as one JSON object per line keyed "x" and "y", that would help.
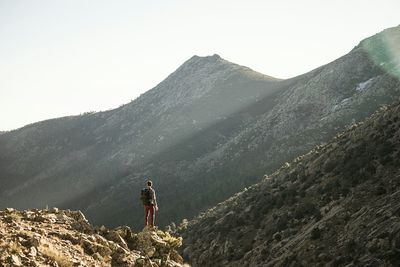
{"x": 65, "y": 238}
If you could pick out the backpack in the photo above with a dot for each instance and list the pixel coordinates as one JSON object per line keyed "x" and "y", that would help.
{"x": 146, "y": 195}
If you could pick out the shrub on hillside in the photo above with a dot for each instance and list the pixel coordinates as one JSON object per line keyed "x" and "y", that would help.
{"x": 304, "y": 209}
{"x": 315, "y": 233}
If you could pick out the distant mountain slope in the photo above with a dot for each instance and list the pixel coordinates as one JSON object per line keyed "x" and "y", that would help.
{"x": 337, "y": 205}
{"x": 207, "y": 131}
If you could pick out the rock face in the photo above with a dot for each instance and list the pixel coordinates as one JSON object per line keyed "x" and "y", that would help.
{"x": 338, "y": 205}
{"x": 207, "y": 131}
{"x": 65, "y": 238}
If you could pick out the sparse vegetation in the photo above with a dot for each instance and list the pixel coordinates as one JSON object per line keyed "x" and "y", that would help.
{"x": 315, "y": 233}
{"x": 57, "y": 256}
{"x": 14, "y": 248}
{"x": 13, "y": 217}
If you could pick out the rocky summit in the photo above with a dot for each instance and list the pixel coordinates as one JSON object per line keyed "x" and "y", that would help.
{"x": 65, "y": 238}
{"x": 338, "y": 205}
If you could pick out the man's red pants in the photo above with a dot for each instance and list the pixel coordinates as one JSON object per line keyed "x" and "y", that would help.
{"x": 149, "y": 210}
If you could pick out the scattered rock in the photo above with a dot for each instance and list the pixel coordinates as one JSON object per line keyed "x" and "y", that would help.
{"x": 15, "y": 260}
{"x": 32, "y": 252}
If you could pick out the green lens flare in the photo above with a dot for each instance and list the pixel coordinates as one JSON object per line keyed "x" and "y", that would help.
{"x": 384, "y": 50}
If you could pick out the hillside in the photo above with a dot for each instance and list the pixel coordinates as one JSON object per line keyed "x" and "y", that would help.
{"x": 65, "y": 238}
{"x": 208, "y": 130}
{"x": 337, "y": 205}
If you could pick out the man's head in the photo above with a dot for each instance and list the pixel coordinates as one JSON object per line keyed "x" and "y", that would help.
{"x": 149, "y": 183}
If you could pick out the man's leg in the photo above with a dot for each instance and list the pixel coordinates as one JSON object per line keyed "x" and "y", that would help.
{"x": 146, "y": 215}
{"x": 152, "y": 215}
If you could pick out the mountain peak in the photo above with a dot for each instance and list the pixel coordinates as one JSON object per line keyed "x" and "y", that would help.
{"x": 216, "y": 64}
{"x": 200, "y": 75}
{"x": 204, "y": 59}
{"x": 215, "y": 56}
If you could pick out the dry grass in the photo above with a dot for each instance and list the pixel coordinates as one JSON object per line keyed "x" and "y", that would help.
{"x": 53, "y": 254}
{"x": 14, "y": 248}
{"x": 13, "y": 217}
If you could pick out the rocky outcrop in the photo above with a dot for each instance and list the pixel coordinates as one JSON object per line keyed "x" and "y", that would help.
{"x": 337, "y": 205}
{"x": 65, "y": 238}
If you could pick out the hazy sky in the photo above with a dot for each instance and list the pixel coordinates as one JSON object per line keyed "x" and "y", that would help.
{"x": 62, "y": 58}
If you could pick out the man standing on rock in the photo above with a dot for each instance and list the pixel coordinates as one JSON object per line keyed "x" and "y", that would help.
{"x": 148, "y": 197}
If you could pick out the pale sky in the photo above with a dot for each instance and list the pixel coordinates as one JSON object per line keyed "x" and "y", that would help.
{"x": 61, "y": 58}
